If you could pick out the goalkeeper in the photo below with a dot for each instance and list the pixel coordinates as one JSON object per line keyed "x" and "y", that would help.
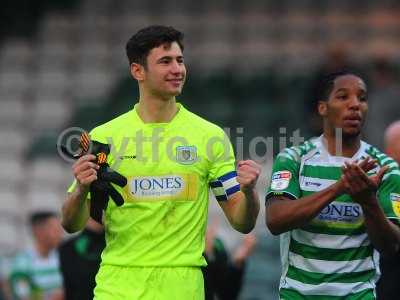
{"x": 170, "y": 157}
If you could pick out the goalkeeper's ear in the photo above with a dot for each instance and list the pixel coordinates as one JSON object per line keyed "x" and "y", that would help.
{"x": 138, "y": 72}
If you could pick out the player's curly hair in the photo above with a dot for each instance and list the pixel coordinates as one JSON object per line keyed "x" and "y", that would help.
{"x": 139, "y": 45}
{"x": 327, "y": 82}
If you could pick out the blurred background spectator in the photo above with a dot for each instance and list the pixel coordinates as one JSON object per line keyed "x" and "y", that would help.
{"x": 35, "y": 272}
{"x": 383, "y": 99}
{"x": 227, "y": 253}
{"x": 388, "y": 287}
{"x": 251, "y": 67}
{"x": 80, "y": 261}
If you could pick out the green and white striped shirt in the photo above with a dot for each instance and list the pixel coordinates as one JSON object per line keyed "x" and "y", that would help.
{"x": 33, "y": 276}
{"x": 331, "y": 257}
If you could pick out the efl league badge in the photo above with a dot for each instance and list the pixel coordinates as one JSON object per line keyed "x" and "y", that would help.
{"x": 280, "y": 180}
{"x": 186, "y": 155}
{"x": 395, "y": 198}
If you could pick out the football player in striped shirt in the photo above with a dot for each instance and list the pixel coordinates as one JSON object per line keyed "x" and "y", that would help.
{"x": 335, "y": 201}
{"x": 35, "y": 271}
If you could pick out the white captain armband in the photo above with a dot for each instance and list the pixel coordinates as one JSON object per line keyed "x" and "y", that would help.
{"x": 225, "y": 186}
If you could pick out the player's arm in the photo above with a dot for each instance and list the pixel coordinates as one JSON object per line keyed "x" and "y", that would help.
{"x": 246, "y": 248}
{"x": 285, "y": 208}
{"x": 242, "y": 208}
{"x": 384, "y": 235}
{"x": 284, "y": 214}
{"x": 76, "y": 208}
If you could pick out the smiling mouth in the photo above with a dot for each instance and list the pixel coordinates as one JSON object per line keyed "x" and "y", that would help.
{"x": 175, "y": 80}
{"x": 176, "y": 83}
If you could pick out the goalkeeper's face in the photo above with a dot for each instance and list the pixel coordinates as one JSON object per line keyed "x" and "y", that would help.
{"x": 165, "y": 73}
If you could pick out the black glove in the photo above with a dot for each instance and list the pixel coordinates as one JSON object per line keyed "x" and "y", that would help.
{"x": 101, "y": 189}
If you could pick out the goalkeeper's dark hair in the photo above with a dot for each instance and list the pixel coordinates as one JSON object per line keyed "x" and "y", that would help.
{"x": 326, "y": 83}
{"x": 40, "y": 217}
{"x": 140, "y": 44}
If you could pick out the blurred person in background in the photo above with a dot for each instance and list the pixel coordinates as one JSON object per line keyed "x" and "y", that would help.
{"x": 226, "y": 253}
{"x": 388, "y": 286}
{"x": 80, "y": 259}
{"x": 35, "y": 273}
{"x": 335, "y": 202}
{"x": 383, "y": 99}
{"x": 155, "y": 240}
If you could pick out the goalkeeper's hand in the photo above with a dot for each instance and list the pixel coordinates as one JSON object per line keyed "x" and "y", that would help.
{"x": 85, "y": 170}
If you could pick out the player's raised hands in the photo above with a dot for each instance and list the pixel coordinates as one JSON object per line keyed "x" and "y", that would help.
{"x": 248, "y": 172}
{"x": 358, "y": 184}
{"x": 367, "y": 164}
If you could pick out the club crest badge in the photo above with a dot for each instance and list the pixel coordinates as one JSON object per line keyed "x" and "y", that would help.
{"x": 395, "y": 198}
{"x": 186, "y": 155}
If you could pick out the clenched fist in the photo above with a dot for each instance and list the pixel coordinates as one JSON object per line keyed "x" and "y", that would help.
{"x": 85, "y": 170}
{"x": 248, "y": 172}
